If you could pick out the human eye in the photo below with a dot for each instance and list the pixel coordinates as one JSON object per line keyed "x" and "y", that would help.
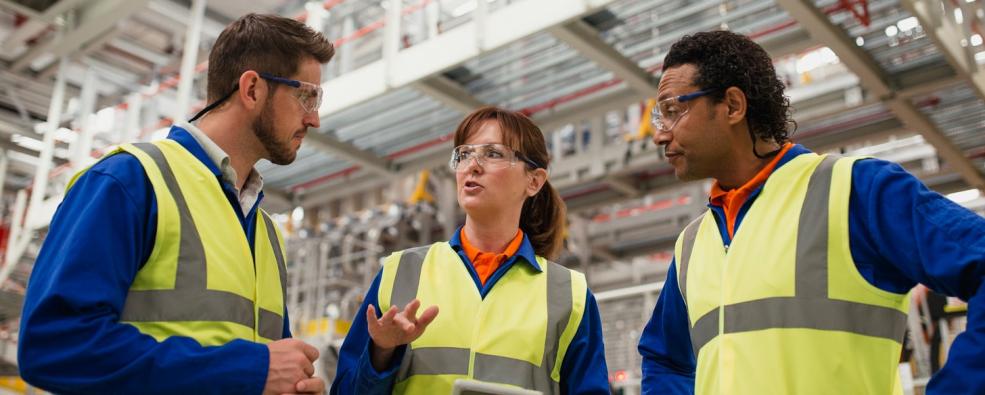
{"x": 494, "y": 153}
{"x": 669, "y": 110}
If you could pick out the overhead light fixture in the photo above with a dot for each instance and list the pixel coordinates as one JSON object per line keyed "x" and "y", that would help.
{"x": 891, "y": 31}
{"x": 908, "y": 24}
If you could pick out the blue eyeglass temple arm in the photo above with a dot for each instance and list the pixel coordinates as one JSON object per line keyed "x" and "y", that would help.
{"x": 285, "y": 81}
{"x": 695, "y": 95}
{"x": 266, "y": 76}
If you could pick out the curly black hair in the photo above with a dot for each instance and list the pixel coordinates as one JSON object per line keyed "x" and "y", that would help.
{"x": 725, "y": 59}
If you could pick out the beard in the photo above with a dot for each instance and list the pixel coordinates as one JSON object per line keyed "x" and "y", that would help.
{"x": 279, "y": 152}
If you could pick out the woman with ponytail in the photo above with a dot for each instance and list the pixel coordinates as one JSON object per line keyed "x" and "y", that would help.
{"x": 508, "y": 315}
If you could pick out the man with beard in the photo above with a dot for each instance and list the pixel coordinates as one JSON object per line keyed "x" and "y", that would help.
{"x": 160, "y": 274}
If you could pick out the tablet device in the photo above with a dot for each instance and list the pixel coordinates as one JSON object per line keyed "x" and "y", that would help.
{"x": 474, "y": 387}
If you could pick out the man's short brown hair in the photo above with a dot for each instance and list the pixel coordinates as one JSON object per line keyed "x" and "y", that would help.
{"x": 263, "y": 43}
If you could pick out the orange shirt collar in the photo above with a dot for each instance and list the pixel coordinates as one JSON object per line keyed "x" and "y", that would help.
{"x": 472, "y": 253}
{"x": 731, "y": 201}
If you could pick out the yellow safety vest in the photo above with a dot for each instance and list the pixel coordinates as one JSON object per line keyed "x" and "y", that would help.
{"x": 783, "y": 309}
{"x": 517, "y": 335}
{"x": 201, "y": 279}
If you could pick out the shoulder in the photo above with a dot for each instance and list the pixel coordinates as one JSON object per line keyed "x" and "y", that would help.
{"x": 876, "y": 178}
{"x": 121, "y": 167}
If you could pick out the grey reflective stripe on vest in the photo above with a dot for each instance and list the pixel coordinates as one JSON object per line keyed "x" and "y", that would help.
{"x": 503, "y": 370}
{"x": 810, "y": 308}
{"x": 690, "y": 234}
{"x": 408, "y": 276}
{"x": 270, "y": 324}
{"x": 434, "y": 360}
{"x": 190, "y": 300}
{"x": 490, "y": 368}
{"x": 811, "y": 273}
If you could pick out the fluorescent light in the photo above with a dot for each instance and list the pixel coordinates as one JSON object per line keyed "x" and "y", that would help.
{"x": 891, "y": 30}
{"x": 859, "y": 41}
{"x": 958, "y": 16}
{"x": 908, "y": 23}
{"x": 976, "y": 40}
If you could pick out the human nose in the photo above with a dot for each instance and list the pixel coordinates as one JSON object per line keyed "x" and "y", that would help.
{"x": 312, "y": 119}
{"x": 662, "y": 136}
{"x": 472, "y": 165}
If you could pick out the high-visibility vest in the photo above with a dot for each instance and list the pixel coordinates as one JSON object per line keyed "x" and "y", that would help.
{"x": 517, "y": 335}
{"x": 783, "y": 309}
{"x": 201, "y": 279}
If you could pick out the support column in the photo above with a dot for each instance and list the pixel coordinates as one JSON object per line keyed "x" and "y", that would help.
{"x": 189, "y": 59}
{"x": 391, "y": 38}
{"x": 40, "y": 185}
{"x": 131, "y": 131}
{"x": 82, "y": 147}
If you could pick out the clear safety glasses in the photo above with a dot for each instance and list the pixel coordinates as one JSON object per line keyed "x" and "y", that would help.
{"x": 488, "y": 156}
{"x": 669, "y": 111}
{"x": 308, "y": 94}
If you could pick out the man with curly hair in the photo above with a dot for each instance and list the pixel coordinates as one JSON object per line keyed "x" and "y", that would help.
{"x": 810, "y": 295}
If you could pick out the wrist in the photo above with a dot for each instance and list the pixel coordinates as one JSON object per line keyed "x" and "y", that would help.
{"x": 380, "y": 357}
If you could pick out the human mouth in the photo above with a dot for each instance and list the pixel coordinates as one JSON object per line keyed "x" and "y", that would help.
{"x": 472, "y": 187}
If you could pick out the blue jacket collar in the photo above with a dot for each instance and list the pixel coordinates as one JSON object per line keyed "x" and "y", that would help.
{"x": 526, "y": 251}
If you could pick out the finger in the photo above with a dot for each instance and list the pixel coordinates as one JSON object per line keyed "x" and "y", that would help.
{"x": 308, "y": 368}
{"x": 313, "y": 385}
{"x": 310, "y": 351}
{"x": 427, "y": 317}
{"x": 371, "y": 319}
{"x": 404, "y": 323}
{"x": 388, "y": 316}
{"x": 410, "y": 311}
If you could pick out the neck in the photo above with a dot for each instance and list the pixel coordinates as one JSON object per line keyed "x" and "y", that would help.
{"x": 227, "y": 132}
{"x": 492, "y": 234}
{"x": 745, "y": 165}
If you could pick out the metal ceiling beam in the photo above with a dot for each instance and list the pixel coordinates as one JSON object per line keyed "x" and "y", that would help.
{"x": 20, "y": 8}
{"x": 449, "y": 93}
{"x": 450, "y": 49}
{"x": 177, "y": 18}
{"x": 37, "y": 21}
{"x": 585, "y": 39}
{"x": 132, "y": 48}
{"x": 877, "y": 82}
{"x": 93, "y": 21}
{"x": 350, "y": 152}
{"x": 947, "y": 35}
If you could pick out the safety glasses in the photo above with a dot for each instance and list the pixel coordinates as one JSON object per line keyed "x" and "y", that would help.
{"x": 308, "y": 94}
{"x": 488, "y": 156}
{"x": 669, "y": 111}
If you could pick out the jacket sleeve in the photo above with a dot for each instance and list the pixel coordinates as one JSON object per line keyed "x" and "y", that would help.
{"x": 71, "y": 340}
{"x": 668, "y": 360}
{"x": 355, "y": 373}
{"x": 583, "y": 370}
{"x": 903, "y": 233}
